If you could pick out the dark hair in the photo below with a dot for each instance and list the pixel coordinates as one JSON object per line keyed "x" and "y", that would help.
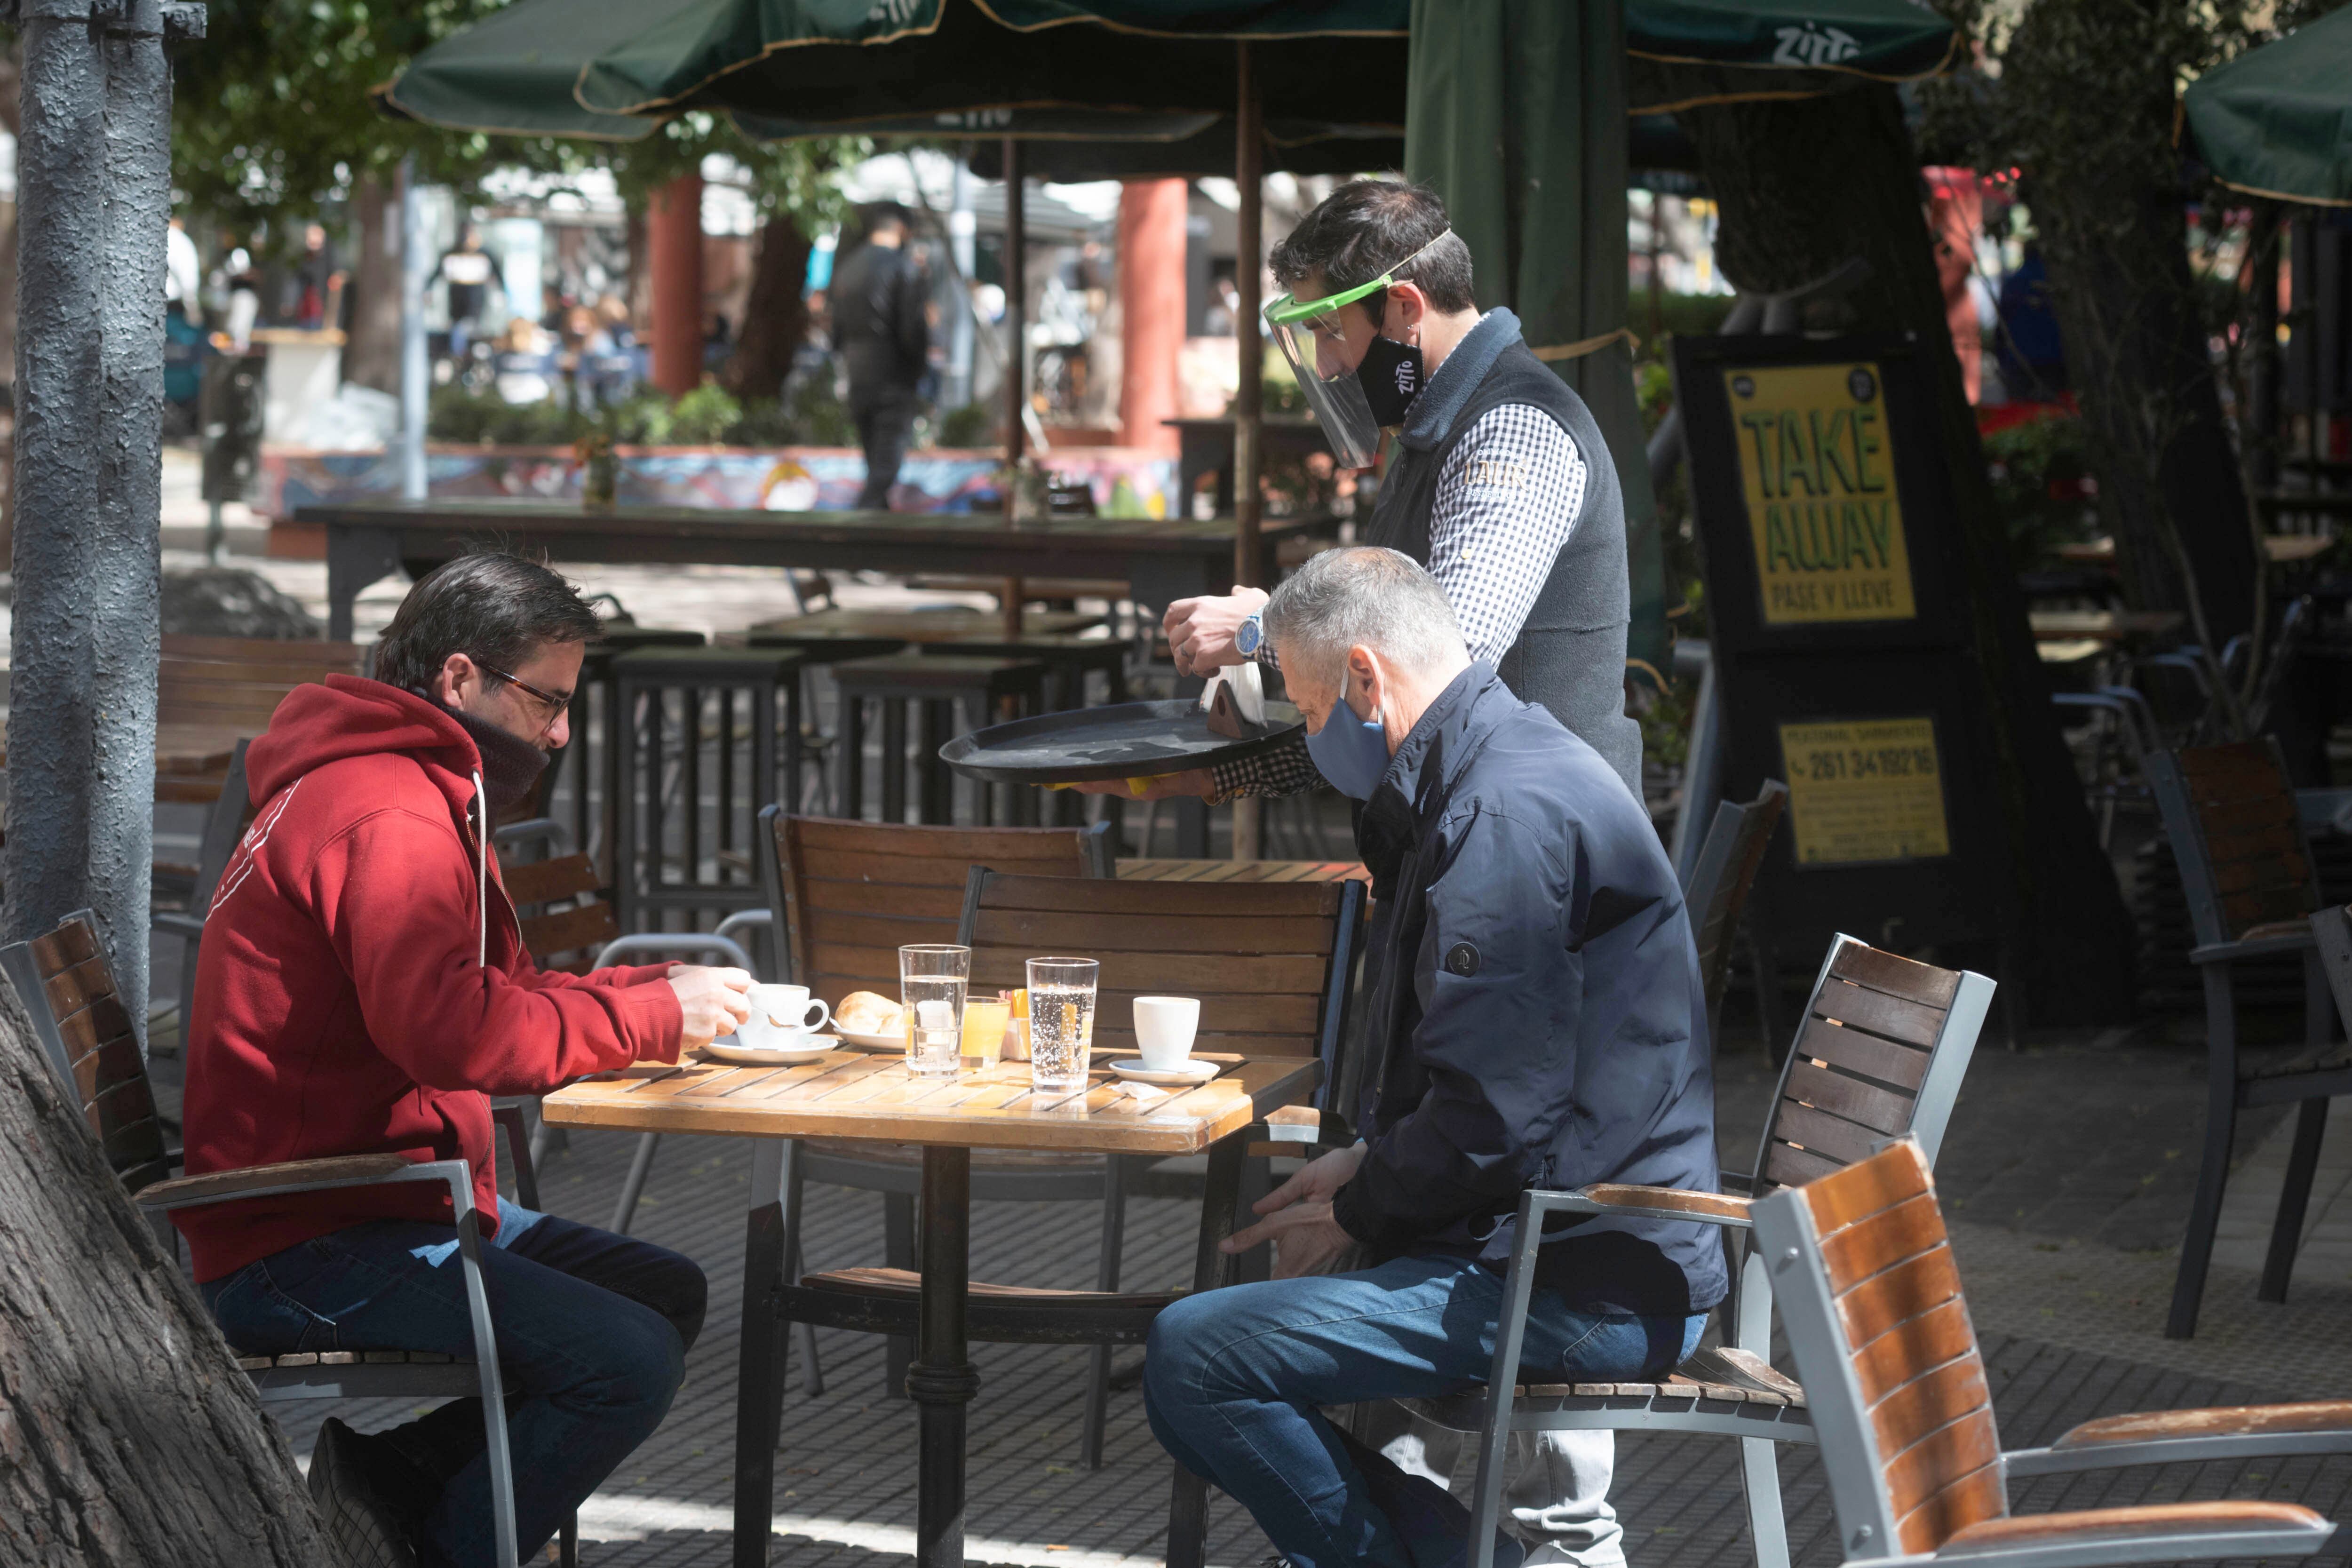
{"x": 495, "y": 608}
{"x": 1367, "y": 227}
{"x": 887, "y": 215}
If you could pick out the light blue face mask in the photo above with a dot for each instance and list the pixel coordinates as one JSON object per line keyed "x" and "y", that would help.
{"x": 1350, "y": 753}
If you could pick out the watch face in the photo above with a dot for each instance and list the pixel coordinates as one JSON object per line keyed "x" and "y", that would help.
{"x": 1246, "y": 638}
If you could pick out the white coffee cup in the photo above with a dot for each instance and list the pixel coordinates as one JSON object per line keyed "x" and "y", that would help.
{"x": 779, "y": 1018}
{"x": 1164, "y": 1027}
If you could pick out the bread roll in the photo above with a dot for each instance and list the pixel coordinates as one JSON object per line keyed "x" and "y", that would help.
{"x": 866, "y": 1013}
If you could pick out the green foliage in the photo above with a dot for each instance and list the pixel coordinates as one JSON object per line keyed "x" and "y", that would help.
{"x": 974, "y": 425}
{"x": 1698, "y": 315}
{"x": 458, "y": 415}
{"x": 708, "y": 416}
{"x": 762, "y": 423}
{"x": 272, "y": 115}
{"x": 704, "y": 416}
{"x": 2041, "y": 481}
{"x": 817, "y": 415}
{"x": 1665, "y": 723}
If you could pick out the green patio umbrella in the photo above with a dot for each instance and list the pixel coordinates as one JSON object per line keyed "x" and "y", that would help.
{"x": 513, "y": 72}
{"x": 1544, "y": 84}
{"x": 2277, "y": 121}
{"x": 1333, "y": 60}
{"x": 1071, "y": 144}
{"x": 834, "y": 65}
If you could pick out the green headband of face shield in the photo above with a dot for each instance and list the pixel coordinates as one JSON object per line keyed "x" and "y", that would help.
{"x": 1285, "y": 311}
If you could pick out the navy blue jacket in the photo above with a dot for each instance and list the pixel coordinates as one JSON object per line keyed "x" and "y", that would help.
{"x": 1532, "y": 1009}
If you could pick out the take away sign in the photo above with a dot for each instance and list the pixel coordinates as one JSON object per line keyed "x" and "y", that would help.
{"x": 1819, "y": 476}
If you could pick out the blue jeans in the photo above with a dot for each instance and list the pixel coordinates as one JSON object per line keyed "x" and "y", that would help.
{"x": 1234, "y": 1379}
{"x": 593, "y": 1331}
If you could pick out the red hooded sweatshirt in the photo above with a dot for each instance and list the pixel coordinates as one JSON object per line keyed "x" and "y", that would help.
{"x": 363, "y": 987}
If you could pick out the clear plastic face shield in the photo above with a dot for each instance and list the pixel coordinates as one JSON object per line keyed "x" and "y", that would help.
{"x": 1312, "y": 335}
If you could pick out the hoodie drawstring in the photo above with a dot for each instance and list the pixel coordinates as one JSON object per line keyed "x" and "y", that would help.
{"x": 482, "y": 871}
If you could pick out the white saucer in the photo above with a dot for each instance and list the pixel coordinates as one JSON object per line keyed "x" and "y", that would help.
{"x": 1190, "y": 1073}
{"x": 893, "y": 1041}
{"x": 727, "y": 1048}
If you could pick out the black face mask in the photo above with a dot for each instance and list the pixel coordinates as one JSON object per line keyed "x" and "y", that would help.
{"x": 511, "y": 765}
{"x": 1391, "y": 377}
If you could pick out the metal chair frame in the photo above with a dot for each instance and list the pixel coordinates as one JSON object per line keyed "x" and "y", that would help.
{"x": 1710, "y": 1408}
{"x": 2229, "y": 1088}
{"x": 1716, "y": 895}
{"x": 349, "y": 1374}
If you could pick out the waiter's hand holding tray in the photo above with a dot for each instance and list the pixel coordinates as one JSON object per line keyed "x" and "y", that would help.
{"x": 1133, "y": 741}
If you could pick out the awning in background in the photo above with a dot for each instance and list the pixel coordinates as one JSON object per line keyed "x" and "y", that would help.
{"x": 513, "y": 72}
{"x": 2277, "y": 121}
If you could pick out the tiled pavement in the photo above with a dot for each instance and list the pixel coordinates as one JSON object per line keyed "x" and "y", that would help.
{"x": 2070, "y": 1323}
{"x": 2067, "y": 1174}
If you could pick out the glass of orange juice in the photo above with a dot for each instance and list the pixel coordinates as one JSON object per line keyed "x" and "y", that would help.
{"x": 983, "y": 1029}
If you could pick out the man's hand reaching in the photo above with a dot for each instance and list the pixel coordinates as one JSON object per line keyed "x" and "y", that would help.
{"x": 713, "y": 1001}
{"x": 1201, "y": 631}
{"x": 1307, "y": 1239}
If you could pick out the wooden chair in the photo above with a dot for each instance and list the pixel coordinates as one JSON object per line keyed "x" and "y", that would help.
{"x": 225, "y": 825}
{"x": 850, "y": 894}
{"x": 1719, "y": 884}
{"x": 1271, "y": 963}
{"x": 231, "y": 686}
{"x": 1882, "y": 1051}
{"x": 2236, "y": 825}
{"x": 1879, "y": 1329}
{"x": 68, "y": 991}
{"x": 566, "y": 924}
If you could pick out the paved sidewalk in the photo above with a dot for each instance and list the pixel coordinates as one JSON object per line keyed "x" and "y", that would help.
{"x": 2071, "y": 1326}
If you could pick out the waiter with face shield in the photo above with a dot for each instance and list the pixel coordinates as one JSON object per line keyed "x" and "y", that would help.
{"x": 1501, "y": 484}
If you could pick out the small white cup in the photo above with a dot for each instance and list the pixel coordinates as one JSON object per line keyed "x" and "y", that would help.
{"x": 1164, "y": 1027}
{"x": 779, "y": 1018}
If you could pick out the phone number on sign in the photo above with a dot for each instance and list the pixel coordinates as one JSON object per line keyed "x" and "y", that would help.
{"x": 1885, "y": 761}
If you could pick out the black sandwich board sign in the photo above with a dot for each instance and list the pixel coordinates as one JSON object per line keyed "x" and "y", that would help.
{"x": 1840, "y": 638}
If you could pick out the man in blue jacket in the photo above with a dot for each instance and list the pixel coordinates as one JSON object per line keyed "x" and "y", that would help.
{"x": 1532, "y": 1018}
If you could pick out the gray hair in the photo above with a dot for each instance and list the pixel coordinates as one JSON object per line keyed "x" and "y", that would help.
{"x": 1381, "y": 599}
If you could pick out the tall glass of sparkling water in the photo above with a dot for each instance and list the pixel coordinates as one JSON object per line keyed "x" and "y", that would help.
{"x": 932, "y": 982}
{"x": 1061, "y": 1021}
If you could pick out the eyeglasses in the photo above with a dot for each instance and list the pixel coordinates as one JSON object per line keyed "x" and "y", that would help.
{"x": 555, "y": 703}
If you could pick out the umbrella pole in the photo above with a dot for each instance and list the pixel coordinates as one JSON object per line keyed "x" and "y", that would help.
{"x": 1249, "y": 399}
{"x": 1016, "y": 356}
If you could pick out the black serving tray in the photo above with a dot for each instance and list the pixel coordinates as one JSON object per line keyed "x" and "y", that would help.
{"x": 1127, "y": 739}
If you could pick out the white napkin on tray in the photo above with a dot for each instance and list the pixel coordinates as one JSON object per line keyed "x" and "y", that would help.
{"x": 1248, "y": 688}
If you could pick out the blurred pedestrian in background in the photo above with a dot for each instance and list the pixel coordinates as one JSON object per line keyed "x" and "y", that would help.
{"x": 881, "y": 333}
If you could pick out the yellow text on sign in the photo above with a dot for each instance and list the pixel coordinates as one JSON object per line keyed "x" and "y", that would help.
{"x": 1869, "y": 790}
{"x": 1820, "y": 484}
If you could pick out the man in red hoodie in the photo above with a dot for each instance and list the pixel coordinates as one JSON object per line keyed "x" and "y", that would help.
{"x": 364, "y": 989}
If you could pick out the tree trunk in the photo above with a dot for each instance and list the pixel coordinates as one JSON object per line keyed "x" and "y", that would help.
{"x": 774, "y": 318}
{"x": 1805, "y": 185}
{"x": 128, "y": 1436}
{"x": 2103, "y": 182}
{"x": 372, "y": 356}
{"x": 11, "y": 60}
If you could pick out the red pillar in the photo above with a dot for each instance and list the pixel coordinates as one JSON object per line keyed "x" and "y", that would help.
{"x": 1151, "y": 310}
{"x": 674, "y": 233}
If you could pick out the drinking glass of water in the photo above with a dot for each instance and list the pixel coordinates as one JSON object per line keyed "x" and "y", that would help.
{"x": 932, "y": 982}
{"x": 1061, "y": 1021}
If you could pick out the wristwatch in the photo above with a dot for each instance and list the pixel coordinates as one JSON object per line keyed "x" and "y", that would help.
{"x": 1249, "y": 637}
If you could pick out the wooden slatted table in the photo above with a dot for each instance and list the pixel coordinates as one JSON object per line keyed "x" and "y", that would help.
{"x": 855, "y": 1095}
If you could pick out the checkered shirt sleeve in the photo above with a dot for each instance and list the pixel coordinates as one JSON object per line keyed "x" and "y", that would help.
{"x": 1506, "y": 502}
